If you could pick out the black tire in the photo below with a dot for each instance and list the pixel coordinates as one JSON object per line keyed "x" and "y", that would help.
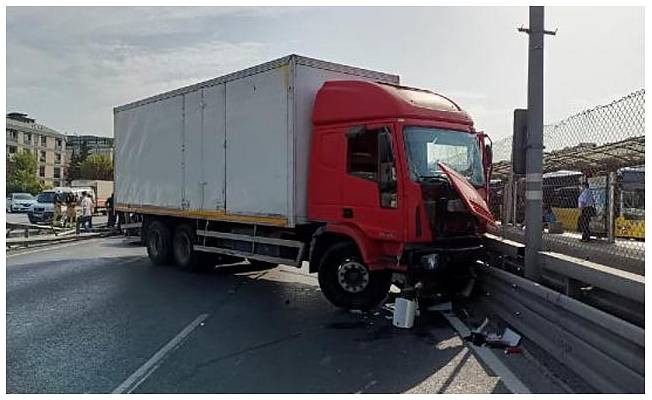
{"x": 184, "y": 253}
{"x": 159, "y": 243}
{"x": 370, "y": 291}
{"x": 258, "y": 264}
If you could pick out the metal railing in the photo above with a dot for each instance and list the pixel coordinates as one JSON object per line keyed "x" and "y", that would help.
{"x": 604, "y": 148}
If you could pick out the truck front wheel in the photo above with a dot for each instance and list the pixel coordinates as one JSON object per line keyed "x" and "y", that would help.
{"x": 346, "y": 281}
{"x": 158, "y": 241}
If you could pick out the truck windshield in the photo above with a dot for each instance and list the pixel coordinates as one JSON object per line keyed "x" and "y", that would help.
{"x": 45, "y": 197}
{"x": 426, "y": 147}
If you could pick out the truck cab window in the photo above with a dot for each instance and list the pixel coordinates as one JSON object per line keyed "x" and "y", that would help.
{"x": 369, "y": 156}
{"x": 386, "y": 170}
{"x": 362, "y": 153}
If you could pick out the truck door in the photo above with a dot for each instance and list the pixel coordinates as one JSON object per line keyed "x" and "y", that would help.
{"x": 369, "y": 189}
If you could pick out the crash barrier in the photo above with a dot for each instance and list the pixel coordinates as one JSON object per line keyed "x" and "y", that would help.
{"x": 26, "y": 230}
{"x": 603, "y": 147}
{"x": 51, "y": 239}
{"x": 630, "y": 258}
{"x": 611, "y": 290}
{"x": 607, "y": 352}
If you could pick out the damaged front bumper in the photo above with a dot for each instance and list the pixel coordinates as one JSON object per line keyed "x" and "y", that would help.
{"x": 441, "y": 258}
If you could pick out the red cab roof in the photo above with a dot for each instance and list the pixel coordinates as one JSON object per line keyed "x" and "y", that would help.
{"x": 346, "y": 101}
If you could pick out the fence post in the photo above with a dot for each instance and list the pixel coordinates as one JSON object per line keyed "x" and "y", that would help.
{"x": 507, "y": 202}
{"x": 611, "y": 207}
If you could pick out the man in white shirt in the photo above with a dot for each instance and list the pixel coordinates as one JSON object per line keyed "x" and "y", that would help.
{"x": 86, "y": 211}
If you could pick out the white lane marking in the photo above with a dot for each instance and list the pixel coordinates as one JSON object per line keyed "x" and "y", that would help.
{"x": 498, "y": 367}
{"x": 145, "y": 370}
{"x": 366, "y": 387}
{"x": 46, "y": 247}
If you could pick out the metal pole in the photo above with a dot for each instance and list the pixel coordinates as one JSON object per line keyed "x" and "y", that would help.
{"x": 507, "y": 202}
{"x": 534, "y": 154}
{"x": 611, "y": 207}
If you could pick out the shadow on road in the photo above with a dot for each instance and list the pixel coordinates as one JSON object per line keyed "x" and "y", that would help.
{"x": 95, "y": 321}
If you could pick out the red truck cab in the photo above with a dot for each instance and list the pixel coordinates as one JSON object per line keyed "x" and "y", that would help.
{"x": 400, "y": 171}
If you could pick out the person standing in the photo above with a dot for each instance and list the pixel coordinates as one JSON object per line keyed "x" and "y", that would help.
{"x": 57, "y": 218}
{"x": 71, "y": 210}
{"x": 110, "y": 211}
{"x": 86, "y": 211}
{"x": 586, "y": 204}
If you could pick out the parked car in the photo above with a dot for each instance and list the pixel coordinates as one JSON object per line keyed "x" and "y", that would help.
{"x": 19, "y": 202}
{"x": 42, "y": 211}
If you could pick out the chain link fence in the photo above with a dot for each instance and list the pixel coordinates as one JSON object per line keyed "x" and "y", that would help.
{"x": 593, "y": 185}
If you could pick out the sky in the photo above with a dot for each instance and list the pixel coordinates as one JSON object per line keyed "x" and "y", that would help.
{"x": 68, "y": 67}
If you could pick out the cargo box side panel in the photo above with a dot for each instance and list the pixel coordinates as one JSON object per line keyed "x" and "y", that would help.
{"x": 203, "y": 150}
{"x": 256, "y": 144}
{"x": 307, "y": 82}
{"x": 214, "y": 131}
{"x": 148, "y": 154}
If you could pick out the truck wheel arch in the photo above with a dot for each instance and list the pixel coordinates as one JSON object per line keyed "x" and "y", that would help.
{"x": 330, "y": 234}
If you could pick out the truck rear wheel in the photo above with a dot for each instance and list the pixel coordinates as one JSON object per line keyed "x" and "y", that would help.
{"x": 158, "y": 241}
{"x": 346, "y": 281}
{"x": 185, "y": 255}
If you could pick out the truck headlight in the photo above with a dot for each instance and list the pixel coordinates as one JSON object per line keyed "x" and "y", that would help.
{"x": 430, "y": 262}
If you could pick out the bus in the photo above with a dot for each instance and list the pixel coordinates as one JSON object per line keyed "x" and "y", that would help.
{"x": 561, "y": 190}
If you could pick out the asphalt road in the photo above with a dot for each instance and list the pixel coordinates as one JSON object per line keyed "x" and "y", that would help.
{"x": 97, "y": 317}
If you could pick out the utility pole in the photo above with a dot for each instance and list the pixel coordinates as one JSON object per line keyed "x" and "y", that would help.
{"x": 534, "y": 149}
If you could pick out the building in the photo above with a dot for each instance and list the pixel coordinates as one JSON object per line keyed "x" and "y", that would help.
{"x": 94, "y": 144}
{"x": 48, "y": 145}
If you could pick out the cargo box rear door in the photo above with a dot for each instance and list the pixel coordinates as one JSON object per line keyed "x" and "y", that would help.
{"x": 148, "y": 159}
{"x": 203, "y": 150}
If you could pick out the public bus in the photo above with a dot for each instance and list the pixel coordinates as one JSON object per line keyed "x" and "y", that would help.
{"x": 561, "y": 190}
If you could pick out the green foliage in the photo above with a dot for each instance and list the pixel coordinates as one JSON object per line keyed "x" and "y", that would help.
{"x": 21, "y": 174}
{"x": 76, "y": 160}
{"x": 97, "y": 166}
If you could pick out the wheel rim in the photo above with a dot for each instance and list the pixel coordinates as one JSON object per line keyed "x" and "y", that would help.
{"x": 183, "y": 246}
{"x": 353, "y": 276}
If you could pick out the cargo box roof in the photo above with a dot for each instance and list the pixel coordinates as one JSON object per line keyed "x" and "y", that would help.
{"x": 292, "y": 58}
{"x": 343, "y": 101}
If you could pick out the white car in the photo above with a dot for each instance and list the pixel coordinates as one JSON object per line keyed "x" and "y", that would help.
{"x": 43, "y": 209}
{"x": 19, "y": 202}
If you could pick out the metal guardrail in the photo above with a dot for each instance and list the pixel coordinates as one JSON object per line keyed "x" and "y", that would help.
{"x": 612, "y": 255}
{"x": 615, "y": 291}
{"x": 608, "y": 352}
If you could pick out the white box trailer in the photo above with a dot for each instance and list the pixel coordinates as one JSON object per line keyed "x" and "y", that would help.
{"x": 233, "y": 148}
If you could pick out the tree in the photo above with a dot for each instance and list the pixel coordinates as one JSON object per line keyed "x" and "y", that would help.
{"x": 21, "y": 174}
{"x": 76, "y": 160}
{"x": 97, "y": 166}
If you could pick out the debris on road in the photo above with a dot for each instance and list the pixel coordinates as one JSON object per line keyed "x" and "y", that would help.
{"x": 507, "y": 340}
{"x": 404, "y": 312}
{"x": 445, "y": 307}
{"x": 513, "y": 350}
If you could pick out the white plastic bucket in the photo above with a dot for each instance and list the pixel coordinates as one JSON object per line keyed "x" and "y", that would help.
{"x": 404, "y": 312}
